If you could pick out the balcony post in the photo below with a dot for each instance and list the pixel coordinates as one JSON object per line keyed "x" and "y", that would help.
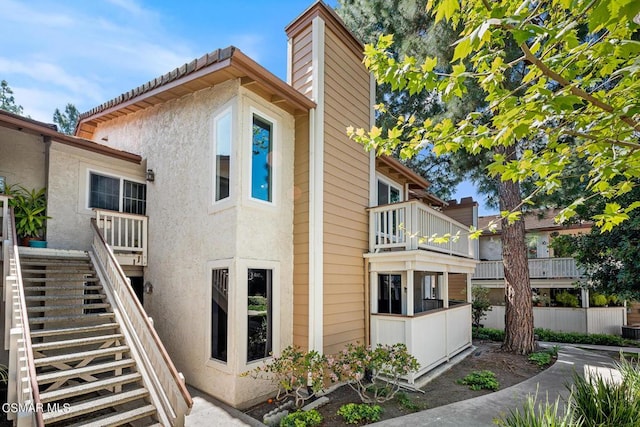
{"x": 411, "y": 218}
{"x": 410, "y": 296}
{"x": 373, "y": 216}
{"x": 445, "y": 290}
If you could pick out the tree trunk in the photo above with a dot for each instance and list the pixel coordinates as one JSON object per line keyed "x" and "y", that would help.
{"x": 519, "y": 337}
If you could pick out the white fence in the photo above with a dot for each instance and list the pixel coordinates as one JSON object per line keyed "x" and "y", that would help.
{"x": 595, "y": 320}
{"x": 413, "y": 225}
{"x": 126, "y": 234}
{"x": 432, "y": 338}
{"x": 539, "y": 268}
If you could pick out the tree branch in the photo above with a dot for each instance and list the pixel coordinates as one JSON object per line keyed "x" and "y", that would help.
{"x": 574, "y": 90}
{"x": 611, "y": 141}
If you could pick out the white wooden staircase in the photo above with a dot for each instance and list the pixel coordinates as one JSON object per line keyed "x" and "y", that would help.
{"x": 81, "y": 357}
{"x": 82, "y": 350}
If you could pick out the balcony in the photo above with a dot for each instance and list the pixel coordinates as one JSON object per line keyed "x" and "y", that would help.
{"x": 539, "y": 268}
{"x": 408, "y": 226}
{"x": 126, "y": 234}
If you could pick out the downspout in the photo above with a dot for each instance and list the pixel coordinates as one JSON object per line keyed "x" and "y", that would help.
{"x": 47, "y": 158}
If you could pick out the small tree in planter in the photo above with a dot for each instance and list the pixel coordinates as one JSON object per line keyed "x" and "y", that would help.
{"x": 29, "y": 207}
{"x": 480, "y": 305}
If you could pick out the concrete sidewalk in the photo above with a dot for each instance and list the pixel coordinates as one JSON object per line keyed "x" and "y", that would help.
{"x": 481, "y": 411}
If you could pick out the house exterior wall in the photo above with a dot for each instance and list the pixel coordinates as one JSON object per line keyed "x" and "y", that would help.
{"x": 67, "y": 205}
{"x": 188, "y": 235}
{"x": 346, "y": 195}
{"x": 22, "y": 159}
{"x": 490, "y": 248}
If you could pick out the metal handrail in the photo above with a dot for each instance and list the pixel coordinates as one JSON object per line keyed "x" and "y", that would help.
{"x": 174, "y": 372}
{"x": 33, "y": 383}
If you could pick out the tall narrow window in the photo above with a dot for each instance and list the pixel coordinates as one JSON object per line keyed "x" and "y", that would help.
{"x": 261, "y": 168}
{"x": 390, "y": 293}
{"x": 219, "y": 313}
{"x": 223, "y": 156}
{"x": 259, "y": 334}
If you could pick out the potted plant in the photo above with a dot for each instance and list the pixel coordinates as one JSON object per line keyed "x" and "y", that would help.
{"x": 29, "y": 207}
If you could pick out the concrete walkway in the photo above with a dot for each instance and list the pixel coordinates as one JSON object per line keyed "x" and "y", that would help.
{"x": 480, "y": 411}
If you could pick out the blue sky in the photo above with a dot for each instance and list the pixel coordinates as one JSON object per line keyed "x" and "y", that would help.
{"x": 87, "y": 52}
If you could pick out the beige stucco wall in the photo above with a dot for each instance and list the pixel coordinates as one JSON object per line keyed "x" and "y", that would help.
{"x": 22, "y": 158}
{"x": 67, "y": 205}
{"x": 188, "y": 235}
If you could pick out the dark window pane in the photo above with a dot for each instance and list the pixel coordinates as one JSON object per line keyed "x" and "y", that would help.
{"x": 104, "y": 192}
{"x": 259, "y": 334}
{"x": 383, "y": 193}
{"x": 390, "y": 293}
{"x": 135, "y": 198}
{"x": 261, "y": 160}
{"x": 223, "y": 156}
{"x": 219, "y": 313}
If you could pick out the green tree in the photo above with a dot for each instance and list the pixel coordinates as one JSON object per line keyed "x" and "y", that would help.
{"x": 576, "y": 96}
{"x": 66, "y": 121}
{"x": 7, "y": 101}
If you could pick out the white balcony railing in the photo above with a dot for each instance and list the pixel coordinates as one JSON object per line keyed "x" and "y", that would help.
{"x": 126, "y": 235}
{"x": 410, "y": 225}
{"x": 539, "y": 268}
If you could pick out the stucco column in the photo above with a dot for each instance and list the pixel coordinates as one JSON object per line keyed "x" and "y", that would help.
{"x": 445, "y": 290}
{"x": 469, "y": 286}
{"x": 410, "y": 292}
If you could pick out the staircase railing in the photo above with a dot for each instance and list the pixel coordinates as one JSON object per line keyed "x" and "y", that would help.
{"x": 161, "y": 375}
{"x": 22, "y": 391}
{"x": 125, "y": 233}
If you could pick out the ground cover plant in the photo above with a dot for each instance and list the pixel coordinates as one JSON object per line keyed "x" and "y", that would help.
{"x": 480, "y": 380}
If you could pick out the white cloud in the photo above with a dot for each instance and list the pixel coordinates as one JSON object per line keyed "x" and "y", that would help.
{"x": 13, "y": 11}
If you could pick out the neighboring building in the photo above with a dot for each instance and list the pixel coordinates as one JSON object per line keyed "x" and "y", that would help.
{"x": 559, "y": 302}
{"x": 248, "y": 221}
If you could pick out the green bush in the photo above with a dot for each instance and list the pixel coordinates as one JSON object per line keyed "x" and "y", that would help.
{"x": 597, "y": 300}
{"x": 488, "y": 334}
{"x": 480, "y": 305}
{"x": 478, "y": 380}
{"x": 309, "y": 418}
{"x": 540, "y": 358}
{"x": 578, "y": 338}
{"x": 567, "y": 299}
{"x": 356, "y": 413}
{"x": 404, "y": 401}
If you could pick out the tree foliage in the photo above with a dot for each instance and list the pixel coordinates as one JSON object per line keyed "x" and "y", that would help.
{"x": 578, "y": 97}
{"x": 7, "y": 100}
{"x": 66, "y": 121}
{"x": 610, "y": 259}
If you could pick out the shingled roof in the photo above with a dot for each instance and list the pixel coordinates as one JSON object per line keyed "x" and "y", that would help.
{"x": 207, "y": 71}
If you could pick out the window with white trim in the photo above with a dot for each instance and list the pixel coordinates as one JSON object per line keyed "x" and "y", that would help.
{"x": 388, "y": 193}
{"x": 259, "y": 313}
{"x": 223, "y": 125}
{"x": 117, "y": 194}
{"x": 261, "y": 157}
{"x": 219, "y": 313}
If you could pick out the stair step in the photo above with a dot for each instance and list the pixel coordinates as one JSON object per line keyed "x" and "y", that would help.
{"x": 121, "y": 418}
{"x": 62, "y": 288}
{"x": 52, "y": 377}
{"x": 95, "y": 405}
{"x": 76, "y": 342}
{"x": 63, "y": 297}
{"x": 78, "y": 317}
{"x": 59, "y": 271}
{"x": 71, "y": 357}
{"x": 42, "y": 309}
{"x": 88, "y": 387}
{"x": 55, "y": 263}
{"x": 58, "y": 279}
{"x": 35, "y": 333}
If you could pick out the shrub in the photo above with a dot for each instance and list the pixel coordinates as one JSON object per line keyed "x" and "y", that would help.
{"x": 478, "y": 380}
{"x": 480, "y": 305}
{"x": 488, "y": 334}
{"x": 540, "y": 358}
{"x": 373, "y": 373}
{"x": 567, "y": 299}
{"x": 309, "y": 418}
{"x": 597, "y": 300}
{"x": 404, "y": 401}
{"x": 578, "y": 338}
{"x": 295, "y": 373}
{"x": 356, "y": 413}
{"x": 540, "y": 415}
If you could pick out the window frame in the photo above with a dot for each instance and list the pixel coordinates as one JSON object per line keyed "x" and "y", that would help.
{"x": 390, "y": 183}
{"x": 216, "y": 205}
{"x": 254, "y": 111}
{"x": 211, "y": 362}
{"x": 121, "y": 179}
